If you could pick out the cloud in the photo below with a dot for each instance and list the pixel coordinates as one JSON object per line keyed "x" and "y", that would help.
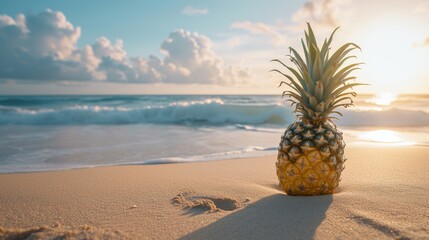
{"x": 190, "y": 58}
{"x": 195, "y": 11}
{"x": 321, "y": 12}
{"x": 43, "y": 48}
{"x": 234, "y": 42}
{"x": 261, "y": 29}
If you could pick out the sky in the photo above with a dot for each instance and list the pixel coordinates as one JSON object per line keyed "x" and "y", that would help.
{"x": 201, "y": 47}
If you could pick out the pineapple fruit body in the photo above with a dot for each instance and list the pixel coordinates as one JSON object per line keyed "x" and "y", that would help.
{"x": 310, "y": 158}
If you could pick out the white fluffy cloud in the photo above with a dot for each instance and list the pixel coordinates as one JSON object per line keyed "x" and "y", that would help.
{"x": 190, "y": 58}
{"x": 39, "y": 47}
{"x": 260, "y": 28}
{"x": 43, "y": 47}
{"x": 189, "y": 10}
{"x": 321, "y": 12}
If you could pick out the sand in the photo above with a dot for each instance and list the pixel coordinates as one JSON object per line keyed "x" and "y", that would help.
{"x": 384, "y": 195}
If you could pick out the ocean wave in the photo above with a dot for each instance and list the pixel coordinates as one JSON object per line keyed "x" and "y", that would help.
{"x": 212, "y": 111}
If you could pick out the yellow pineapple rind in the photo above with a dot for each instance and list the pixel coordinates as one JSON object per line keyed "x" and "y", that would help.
{"x": 310, "y": 159}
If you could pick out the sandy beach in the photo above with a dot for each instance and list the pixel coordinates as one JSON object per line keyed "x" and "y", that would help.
{"x": 383, "y": 195}
{"x": 130, "y": 120}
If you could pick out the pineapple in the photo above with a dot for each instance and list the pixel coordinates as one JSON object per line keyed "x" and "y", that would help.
{"x": 311, "y": 151}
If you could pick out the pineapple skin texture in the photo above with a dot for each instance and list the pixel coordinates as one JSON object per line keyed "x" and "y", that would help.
{"x": 310, "y": 159}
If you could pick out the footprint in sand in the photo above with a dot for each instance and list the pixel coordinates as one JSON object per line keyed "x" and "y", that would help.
{"x": 206, "y": 204}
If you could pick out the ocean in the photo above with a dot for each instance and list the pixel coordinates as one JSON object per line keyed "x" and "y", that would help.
{"x": 42, "y": 133}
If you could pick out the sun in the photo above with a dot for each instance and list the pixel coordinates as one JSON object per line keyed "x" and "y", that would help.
{"x": 390, "y": 55}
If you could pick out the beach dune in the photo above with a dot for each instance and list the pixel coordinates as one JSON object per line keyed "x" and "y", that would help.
{"x": 383, "y": 195}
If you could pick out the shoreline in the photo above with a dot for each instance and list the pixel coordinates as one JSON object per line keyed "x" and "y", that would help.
{"x": 221, "y": 156}
{"x": 383, "y": 195}
{"x": 163, "y": 161}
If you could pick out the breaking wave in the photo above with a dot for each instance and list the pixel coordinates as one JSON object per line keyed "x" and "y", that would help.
{"x": 242, "y": 113}
{"x": 212, "y": 113}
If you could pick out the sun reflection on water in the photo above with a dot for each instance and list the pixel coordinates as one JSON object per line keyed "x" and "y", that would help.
{"x": 383, "y": 136}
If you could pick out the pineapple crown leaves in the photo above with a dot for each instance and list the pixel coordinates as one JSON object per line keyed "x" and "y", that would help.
{"x": 319, "y": 83}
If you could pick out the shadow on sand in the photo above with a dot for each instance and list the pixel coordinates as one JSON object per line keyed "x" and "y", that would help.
{"x": 275, "y": 217}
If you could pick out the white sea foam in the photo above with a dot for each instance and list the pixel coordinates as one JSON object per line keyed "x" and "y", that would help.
{"x": 239, "y": 153}
{"x": 197, "y": 102}
{"x": 259, "y": 129}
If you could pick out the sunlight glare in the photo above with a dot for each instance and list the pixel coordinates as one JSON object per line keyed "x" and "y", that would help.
{"x": 384, "y": 99}
{"x": 389, "y": 54}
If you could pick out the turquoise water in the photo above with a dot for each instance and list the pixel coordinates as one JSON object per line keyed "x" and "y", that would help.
{"x": 59, "y": 132}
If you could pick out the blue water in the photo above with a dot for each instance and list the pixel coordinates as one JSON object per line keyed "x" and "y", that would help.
{"x": 59, "y": 132}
